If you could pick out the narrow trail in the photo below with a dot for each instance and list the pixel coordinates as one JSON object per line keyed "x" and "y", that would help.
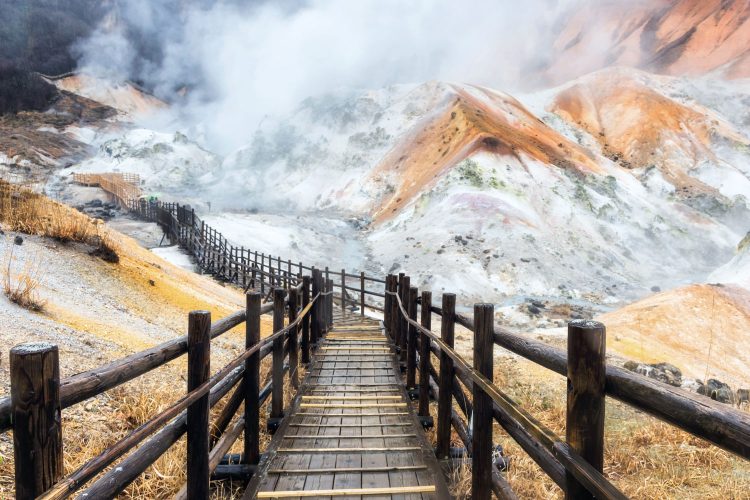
{"x": 351, "y": 430}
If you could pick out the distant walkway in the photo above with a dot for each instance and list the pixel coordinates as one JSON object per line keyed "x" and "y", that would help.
{"x": 351, "y": 430}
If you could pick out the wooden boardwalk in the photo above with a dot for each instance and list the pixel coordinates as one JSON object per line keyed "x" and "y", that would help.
{"x": 351, "y": 431}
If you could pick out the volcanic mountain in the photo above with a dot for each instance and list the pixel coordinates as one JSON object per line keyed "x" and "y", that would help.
{"x": 674, "y": 37}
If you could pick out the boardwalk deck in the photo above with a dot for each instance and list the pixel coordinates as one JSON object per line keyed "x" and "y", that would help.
{"x": 351, "y": 432}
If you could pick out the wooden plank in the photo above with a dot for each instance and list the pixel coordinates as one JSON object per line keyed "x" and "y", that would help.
{"x": 384, "y": 414}
{"x": 346, "y": 405}
{"x": 346, "y": 469}
{"x": 347, "y": 492}
{"x": 341, "y": 348}
{"x": 377, "y": 436}
{"x": 318, "y": 425}
{"x": 347, "y": 398}
{"x": 386, "y": 449}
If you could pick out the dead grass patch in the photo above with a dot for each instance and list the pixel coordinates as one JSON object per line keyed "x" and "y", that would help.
{"x": 21, "y": 286}
{"x": 644, "y": 457}
{"x": 26, "y": 211}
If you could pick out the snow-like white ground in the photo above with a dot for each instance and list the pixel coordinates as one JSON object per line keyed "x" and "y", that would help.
{"x": 175, "y": 255}
{"x": 496, "y": 228}
{"x": 316, "y": 239}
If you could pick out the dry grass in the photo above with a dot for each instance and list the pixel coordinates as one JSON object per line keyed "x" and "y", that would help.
{"x": 644, "y": 457}
{"x": 26, "y": 211}
{"x": 21, "y": 286}
{"x": 100, "y": 422}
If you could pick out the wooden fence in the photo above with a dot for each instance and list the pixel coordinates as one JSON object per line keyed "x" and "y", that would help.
{"x": 38, "y": 396}
{"x": 575, "y": 463}
{"x": 468, "y": 400}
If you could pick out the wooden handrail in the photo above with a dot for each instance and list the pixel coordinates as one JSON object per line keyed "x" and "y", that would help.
{"x": 724, "y": 426}
{"x": 544, "y": 436}
{"x": 705, "y": 418}
{"x": 95, "y": 465}
{"x": 86, "y": 385}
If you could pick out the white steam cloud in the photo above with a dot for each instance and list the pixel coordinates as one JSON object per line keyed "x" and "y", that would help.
{"x": 244, "y": 62}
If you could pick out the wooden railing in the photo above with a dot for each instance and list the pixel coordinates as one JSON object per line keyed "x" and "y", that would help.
{"x": 38, "y": 396}
{"x": 573, "y": 463}
{"x": 215, "y": 255}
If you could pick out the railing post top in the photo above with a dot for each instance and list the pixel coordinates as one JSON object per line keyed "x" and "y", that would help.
{"x": 585, "y": 325}
{"x": 427, "y": 294}
{"x": 32, "y": 348}
{"x": 484, "y": 306}
{"x": 199, "y": 314}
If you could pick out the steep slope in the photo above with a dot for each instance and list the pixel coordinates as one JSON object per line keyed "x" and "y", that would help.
{"x": 637, "y": 125}
{"x": 676, "y": 37}
{"x": 594, "y": 191}
{"x": 124, "y": 97}
{"x": 702, "y": 329}
{"x": 469, "y": 120}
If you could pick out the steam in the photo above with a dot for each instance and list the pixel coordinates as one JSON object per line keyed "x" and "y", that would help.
{"x": 242, "y": 62}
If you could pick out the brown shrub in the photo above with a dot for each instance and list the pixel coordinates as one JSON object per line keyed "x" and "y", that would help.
{"x": 32, "y": 213}
{"x": 21, "y": 286}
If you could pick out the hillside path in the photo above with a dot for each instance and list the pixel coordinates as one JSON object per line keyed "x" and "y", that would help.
{"x": 351, "y": 431}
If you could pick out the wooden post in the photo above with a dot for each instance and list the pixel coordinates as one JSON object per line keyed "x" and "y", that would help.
{"x": 289, "y": 273}
{"x": 395, "y": 315}
{"x": 305, "y": 321}
{"x": 323, "y": 305}
{"x": 37, "y": 433}
{"x": 293, "y": 336}
{"x": 343, "y": 292}
{"x": 252, "y": 379}
{"x": 315, "y": 332}
{"x": 584, "y": 427}
{"x": 404, "y": 325}
{"x": 481, "y": 440}
{"x": 424, "y": 359}
{"x": 387, "y": 316}
{"x": 329, "y": 309}
{"x": 277, "y": 368}
{"x": 445, "y": 396}
{"x": 262, "y": 275}
{"x": 362, "y": 294}
{"x": 199, "y": 367}
{"x": 411, "y": 343}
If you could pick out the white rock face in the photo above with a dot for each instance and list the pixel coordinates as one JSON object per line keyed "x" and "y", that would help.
{"x": 518, "y": 217}
{"x": 166, "y": 162}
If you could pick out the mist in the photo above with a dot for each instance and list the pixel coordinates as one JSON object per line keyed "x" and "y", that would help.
{"x": 238, "y": 63}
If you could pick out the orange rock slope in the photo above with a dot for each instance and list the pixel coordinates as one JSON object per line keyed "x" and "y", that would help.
{"x": 638, "y": 127}
{"x": 470, "y": 119}
{"x": 677, "y": 37}
{"x": 124, "y": 97}
{"x": 702, "y": 329}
